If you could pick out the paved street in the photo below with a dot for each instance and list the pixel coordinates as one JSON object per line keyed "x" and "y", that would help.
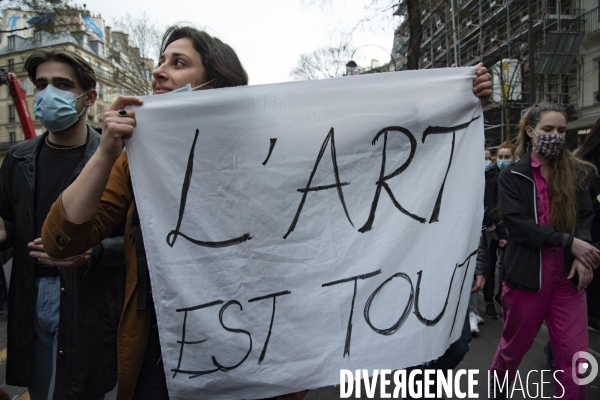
{"x": 482, "y": 349}
{"x": 479, "y": 357}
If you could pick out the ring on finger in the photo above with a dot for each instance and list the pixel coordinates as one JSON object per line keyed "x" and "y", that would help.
{"x": 122, "y": 113}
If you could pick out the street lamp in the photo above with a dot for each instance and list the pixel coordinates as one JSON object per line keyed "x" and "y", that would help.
{"x": 352, "y": 67}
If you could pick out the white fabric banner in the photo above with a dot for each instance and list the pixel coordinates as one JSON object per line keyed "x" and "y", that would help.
{"x": 296, "y": 229}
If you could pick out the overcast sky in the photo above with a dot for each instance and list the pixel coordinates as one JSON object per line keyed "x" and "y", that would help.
{"x": 268, "y": 35}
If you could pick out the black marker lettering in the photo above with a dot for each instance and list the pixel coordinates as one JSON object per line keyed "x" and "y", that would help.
{"x": 383, "y": 177}
{"x": 435, "y": 130}
{"x": 172, "y": 236}
{"x": 425, "y": 321}
{"x": 355, "y": 279}
{"x": 273, "y": 141}
{"x": 184, "y": 342}
{"x": 214, "y": 360}
{"x": 274, "y": 296}
{"x": 438, "y": 203}
{"x": 391, "y": 330}
{"x": 337, "y": 184}
{"x": 467, "y": 261}
{"x": 432, "y": 130}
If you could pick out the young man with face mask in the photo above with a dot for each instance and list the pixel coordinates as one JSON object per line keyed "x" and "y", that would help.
{"x": 63, "y": 313}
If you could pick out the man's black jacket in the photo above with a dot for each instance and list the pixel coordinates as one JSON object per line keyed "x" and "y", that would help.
{"x": 526, "y": 238}
{"x": 491, "y": 214}
{"x": 91, "y": 295}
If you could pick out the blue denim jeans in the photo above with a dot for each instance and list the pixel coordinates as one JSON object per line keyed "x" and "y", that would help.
{"x": 47, "y": 311}
{"x": 472, "y": 304}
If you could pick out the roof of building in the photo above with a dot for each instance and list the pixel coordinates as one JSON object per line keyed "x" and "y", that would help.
{"x": 47, "y": 40}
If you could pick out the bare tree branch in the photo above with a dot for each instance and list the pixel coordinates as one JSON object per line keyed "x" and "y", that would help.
{"x": 144, "y": 33}
{"x": 325, "y": 62}
{"x": 379, "y": 15}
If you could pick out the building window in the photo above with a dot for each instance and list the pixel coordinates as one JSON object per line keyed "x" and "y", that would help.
{"x": 11, "y": 65}
{"x": 101, "y": 92}
{"x": 11, "y": 113}
{"x": 100, "y": 113}
{"x": 12, "y": 137}
{"x": 91, "y": 113}
{"x": 11, "y": 42}
{"x": 101, "y": 49}
{"x": 37, "y": 37}
{"x": 22, "y": 63}
{"x": 27, "y": 86}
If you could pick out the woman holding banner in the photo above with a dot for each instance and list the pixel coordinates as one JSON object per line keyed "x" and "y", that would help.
{"x": 103, "y": 197}
{"x": 189, "y": 59}
{"x": 547, "y": 211}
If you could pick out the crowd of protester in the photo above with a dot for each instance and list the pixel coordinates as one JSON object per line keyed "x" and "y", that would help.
{"x": 542, "y": 208}
{"x": 79, "y": 298}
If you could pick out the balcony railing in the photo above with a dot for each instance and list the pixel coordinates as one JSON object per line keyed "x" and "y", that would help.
{"x": 592, "y": 21}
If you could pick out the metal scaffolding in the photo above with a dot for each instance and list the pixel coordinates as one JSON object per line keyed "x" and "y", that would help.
{"x": 467, "y": 32}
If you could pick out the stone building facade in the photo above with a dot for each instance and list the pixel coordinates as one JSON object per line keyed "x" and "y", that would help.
{"x": 120, "y": 69}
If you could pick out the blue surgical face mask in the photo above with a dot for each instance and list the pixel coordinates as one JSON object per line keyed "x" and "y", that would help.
{"x": 189, "y": 88}
{"x": 504, "y": 163}
{"x": 55, "y": 108}
{"x": 488, "y": 165}
{"x": 186, "y": 88}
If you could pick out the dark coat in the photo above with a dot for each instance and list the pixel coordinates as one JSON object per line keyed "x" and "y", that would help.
{"x": 491, "y": 198}
{"x": 91, "y": 295}
{"x": 595, "y": 196}
{"x": 526, "y": 238}
{"x": 593, "y": 289}
{"x": 482, "y": 264}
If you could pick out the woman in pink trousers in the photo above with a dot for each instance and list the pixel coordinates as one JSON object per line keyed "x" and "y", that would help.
{"x": 547, "y": 211}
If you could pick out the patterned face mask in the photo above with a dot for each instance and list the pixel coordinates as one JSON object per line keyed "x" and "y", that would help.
{"x": 549, "y": 145}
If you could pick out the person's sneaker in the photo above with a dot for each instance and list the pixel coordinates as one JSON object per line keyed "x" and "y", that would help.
{"x": 479, "y": 319}
{"x": 473, "y": 323}
{"x": 490, "y": 311}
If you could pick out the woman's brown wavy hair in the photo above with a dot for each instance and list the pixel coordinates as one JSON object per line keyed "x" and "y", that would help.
{"x": 568, "y": 174}
{"x": 220, "y": 61}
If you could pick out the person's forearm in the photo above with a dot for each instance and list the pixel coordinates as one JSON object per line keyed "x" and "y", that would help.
{"x": 81, "y": 199}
